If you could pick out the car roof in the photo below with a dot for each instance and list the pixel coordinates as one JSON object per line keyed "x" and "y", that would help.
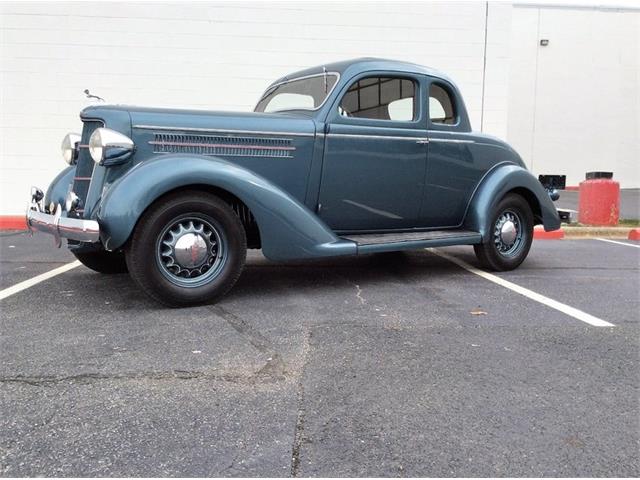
{"x": 364, "y": 64}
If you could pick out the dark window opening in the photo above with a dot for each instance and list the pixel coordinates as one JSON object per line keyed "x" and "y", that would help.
{"x": 380, "y": 98}
{"x": 441, "y": 106}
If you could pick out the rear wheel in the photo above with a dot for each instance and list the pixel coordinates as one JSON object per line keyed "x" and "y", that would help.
{"x": 189, "y": 248}
{"x": 103, "y": 261}
{"x": 509, "y": 235}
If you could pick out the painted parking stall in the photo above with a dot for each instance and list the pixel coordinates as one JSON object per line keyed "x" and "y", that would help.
{"x": 546, "y": 301}
{"x": 401, "y": 363}
{"x": 596, "y": 277}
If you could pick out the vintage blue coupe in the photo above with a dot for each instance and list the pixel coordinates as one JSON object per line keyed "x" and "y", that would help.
{"x": 348, "y": 158}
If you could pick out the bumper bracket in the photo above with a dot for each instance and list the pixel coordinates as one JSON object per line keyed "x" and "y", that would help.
{"x": 55, "y": 224}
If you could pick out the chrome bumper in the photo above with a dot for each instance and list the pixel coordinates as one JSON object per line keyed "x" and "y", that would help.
{"x": 57, "y": 225}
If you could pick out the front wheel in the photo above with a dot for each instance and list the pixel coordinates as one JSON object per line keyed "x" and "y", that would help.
{"x": 187, "y": 249}
{"x": 509, "y": 235}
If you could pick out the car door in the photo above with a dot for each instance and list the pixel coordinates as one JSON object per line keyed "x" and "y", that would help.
{"x": 374, "y": 154}
{"x": 453, "y": 167}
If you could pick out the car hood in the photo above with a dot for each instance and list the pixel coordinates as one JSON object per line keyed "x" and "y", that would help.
{"x": 170, "y": 119}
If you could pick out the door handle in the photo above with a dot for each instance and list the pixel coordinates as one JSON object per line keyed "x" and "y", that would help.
{"x": 422, "y": 141}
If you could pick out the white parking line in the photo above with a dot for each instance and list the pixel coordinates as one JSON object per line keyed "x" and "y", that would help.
{"x": 618, "y": 243}
{"x": 18, "y": 287}
{"x": 549, "y": 302}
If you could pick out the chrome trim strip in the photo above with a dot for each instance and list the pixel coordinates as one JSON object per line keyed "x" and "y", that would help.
{"x": 449, "y": 140}
{"x": 379, "y": 137}
{"x": 220, "y": 145}
{"x": 214, "y": 130}
{"x": 229, "y": 155}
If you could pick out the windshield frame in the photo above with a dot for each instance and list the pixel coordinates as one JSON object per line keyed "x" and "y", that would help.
{"x": 296, "y": 79}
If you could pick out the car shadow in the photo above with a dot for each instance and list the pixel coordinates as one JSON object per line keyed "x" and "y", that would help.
{"x": 269, "y": 279}
{"x": 273, "y": 279}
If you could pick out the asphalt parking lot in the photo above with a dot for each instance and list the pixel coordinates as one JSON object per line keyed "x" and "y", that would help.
{"x": 384, "y": 365}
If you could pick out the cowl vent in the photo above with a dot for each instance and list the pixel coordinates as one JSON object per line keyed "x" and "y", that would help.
{"x": 223, "y": 146}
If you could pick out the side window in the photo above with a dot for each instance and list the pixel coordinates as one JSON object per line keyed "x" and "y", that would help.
{"x": 441, "y": 106}
{"x": 380, "y": 98}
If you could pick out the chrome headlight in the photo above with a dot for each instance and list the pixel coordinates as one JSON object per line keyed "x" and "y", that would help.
{"x": 69, "y": 148}
{"x": 108, "y": 147}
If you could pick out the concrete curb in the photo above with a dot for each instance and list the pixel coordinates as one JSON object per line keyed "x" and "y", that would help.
{"x": 540, "y": 234}
{"x": 570, "y": 232}
{"x": 609, "y": 232}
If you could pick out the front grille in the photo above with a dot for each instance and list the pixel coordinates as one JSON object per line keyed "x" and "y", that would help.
{"x": 84, "y": 167}
{"x": 224, "y": 146}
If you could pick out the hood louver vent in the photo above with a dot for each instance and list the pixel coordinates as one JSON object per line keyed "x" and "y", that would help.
{"x": 223, "y": 146}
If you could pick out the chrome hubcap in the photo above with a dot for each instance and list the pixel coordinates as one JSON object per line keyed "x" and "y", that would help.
{"x": 507, "y": 233}
{"x": 190, "y": 252}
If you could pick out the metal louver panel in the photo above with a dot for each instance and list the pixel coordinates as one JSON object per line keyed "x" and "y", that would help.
{"x": 224, "y": 146}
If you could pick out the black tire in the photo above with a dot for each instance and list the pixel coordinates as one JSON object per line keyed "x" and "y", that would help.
{"x": 499, "y": 254}
{"x": 103, "y": 261}
{"x": 212, "y": 234}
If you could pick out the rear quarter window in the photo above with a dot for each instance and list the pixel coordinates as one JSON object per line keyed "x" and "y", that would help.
{"x": 441, "y": 105}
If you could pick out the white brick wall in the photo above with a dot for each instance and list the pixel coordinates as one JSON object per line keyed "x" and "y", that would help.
{"x": 212, "y": 56}
{"x": 583, "y": 113}
{"x": 574, "y": 105}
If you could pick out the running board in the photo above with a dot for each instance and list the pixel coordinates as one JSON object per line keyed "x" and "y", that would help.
{"x": 388, "y": 242}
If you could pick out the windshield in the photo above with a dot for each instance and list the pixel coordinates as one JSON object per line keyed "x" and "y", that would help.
{"x": 306, "y": 93}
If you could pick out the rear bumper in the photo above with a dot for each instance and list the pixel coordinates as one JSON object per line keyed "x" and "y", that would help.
{"x": 60, "y": 227}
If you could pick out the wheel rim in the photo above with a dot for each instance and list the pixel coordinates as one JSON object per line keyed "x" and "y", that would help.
{"x": 508, "y": 233}
{"x": 191, "y": 251}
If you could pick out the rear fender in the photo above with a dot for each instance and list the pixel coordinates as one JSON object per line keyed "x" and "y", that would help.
{"x": 500, "y": 181}
{"x": 288, "y": 229}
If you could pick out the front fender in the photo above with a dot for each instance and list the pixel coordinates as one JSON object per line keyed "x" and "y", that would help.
{"x": 59, "y": 187}
{"x": 496, "y": 184}
{"x": 288, "y": 229}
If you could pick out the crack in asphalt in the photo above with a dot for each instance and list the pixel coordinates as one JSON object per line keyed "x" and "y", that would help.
{"x": 359, "y": 294}
{"x": 255, "y": 338}
{"x": 274, "y": 367}
{"x": 272, "y": 371}
{"x": 264, "y": 374}
{"x": 298, "y": 436}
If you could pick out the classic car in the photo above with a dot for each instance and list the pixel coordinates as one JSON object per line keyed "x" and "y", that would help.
{"x": 348, "y": 158}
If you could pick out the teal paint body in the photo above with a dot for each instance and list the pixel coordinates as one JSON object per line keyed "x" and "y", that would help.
{"x": 57, "y": 191}
{"x": 288, "y": 229}
{"x": 334, "y": 175}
